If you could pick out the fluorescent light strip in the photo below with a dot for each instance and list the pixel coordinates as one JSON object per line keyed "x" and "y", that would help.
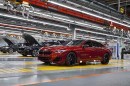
{"x": 97, "y": 33}
{"x": 49, "y": 31}
{"x": 1, "y": 4}
{"x": 31, "y": 20}
{"x": 50, "y": 17}
{"x": 19, "y": 30}
{"x": 38, "y": 21}
{"x": 82, "y": 36}
{"x": 10, "y": 32}
{"x": 91, "y": 10}
{"x": 91, "y": 39}
{"x": 101, "y": 33}
{"x": 69, "y": 21}
{"x": 94, "y": 37}
{"x": 88, "y": 13}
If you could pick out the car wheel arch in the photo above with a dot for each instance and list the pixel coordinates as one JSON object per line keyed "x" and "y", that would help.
{"x": 104, "y": 59}
{"x": 74, "y": 53}
{"x": 105, "y": 54}
{"x": 70, "y": 60}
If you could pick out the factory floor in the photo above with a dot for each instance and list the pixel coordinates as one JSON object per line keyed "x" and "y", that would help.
{"x": 16, "y": 70}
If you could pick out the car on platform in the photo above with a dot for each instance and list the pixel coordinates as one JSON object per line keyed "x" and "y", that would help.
{"x": 31, "y": 46}
{"x": 10, "y": 47}
{"x": 76, "y": 51}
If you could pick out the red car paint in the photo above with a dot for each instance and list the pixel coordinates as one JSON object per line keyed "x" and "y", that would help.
{"x": 58, "y": 54}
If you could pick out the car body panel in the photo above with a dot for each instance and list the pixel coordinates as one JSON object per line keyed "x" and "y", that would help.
{"x": 32, "y": 44}
{"x": 9, "y": 42}
{"x": 11, "y": 45}
{"x": 29, "y": 39}
{"x": 82, "y": 53}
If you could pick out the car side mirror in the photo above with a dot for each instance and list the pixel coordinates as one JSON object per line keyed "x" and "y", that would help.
{"x": 85, "y": 46}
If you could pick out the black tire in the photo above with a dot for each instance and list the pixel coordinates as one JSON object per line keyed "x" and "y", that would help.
{"x": 47, "y": 63}
{"x": 10, "y": 51}
{"x": 24, "y": 54}
{"x": 70, "y": 59}
{"x": 4, "y": 52}
{"x": 84, "y": 63}
{"x": 34, "y": 53}
{"x": 105, "y": 59}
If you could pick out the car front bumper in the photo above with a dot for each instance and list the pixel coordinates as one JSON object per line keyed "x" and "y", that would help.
{"x": 54, "y": 57}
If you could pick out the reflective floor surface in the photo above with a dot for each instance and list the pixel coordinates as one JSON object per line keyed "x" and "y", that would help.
{"x": 35, "y": 73}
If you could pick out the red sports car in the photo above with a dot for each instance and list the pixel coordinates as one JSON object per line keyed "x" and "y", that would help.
{"x": 76, "y": 51}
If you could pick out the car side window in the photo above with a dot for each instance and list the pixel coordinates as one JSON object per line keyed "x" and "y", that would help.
{"x": 88, "y": 43}
{"x": 96, "y": 44}
{"x": 101, "y": 45}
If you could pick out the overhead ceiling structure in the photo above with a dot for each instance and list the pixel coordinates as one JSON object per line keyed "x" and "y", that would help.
{"x": 112, "y": 2}
{"x": 125, "y": 4}
{"x": 81, "y": 12}
{"x": 70, "y": 13}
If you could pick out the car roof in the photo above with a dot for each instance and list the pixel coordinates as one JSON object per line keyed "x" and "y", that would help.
{"x": 86, "y": 40}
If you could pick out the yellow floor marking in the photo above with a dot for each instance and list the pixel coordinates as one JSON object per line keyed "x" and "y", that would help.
{"x": 113, "y": 63}
{"x": 25, "y": 70}
{"x": 25, "y": 56}
{"x": 22, "y": 70}
{"x": 30, "y": 63}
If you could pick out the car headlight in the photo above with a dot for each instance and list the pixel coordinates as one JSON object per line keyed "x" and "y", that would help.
{"x": 60, "y": 51}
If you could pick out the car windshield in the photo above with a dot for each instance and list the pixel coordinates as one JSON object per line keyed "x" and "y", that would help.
{"x": 74, "y": 42}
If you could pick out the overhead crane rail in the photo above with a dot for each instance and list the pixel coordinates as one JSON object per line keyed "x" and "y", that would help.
{"x": 61, "y": 35}
{"x": 48, "y": 5}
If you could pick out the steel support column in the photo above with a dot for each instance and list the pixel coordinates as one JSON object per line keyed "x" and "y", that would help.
{"x": 119, "y": 5}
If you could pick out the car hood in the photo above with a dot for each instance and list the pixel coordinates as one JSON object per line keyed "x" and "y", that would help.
{"x": 60, "y": 47}
{"x": 8, "y": 41}
{"x": 29, "y": 39}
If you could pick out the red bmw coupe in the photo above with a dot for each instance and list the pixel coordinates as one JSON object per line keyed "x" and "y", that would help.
{"x": 76, "y": 51}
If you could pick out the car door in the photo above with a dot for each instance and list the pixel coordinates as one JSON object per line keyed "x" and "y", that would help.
{"x": 98, "y": 50}
{"x": 88, "y": 51}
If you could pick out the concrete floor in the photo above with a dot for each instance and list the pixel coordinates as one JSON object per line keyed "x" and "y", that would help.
{"x": 35, "y": 73}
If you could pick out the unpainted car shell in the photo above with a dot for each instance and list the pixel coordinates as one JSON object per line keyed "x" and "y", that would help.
{"x": 10, "y": 48}
{"x": 28, "y": 47}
